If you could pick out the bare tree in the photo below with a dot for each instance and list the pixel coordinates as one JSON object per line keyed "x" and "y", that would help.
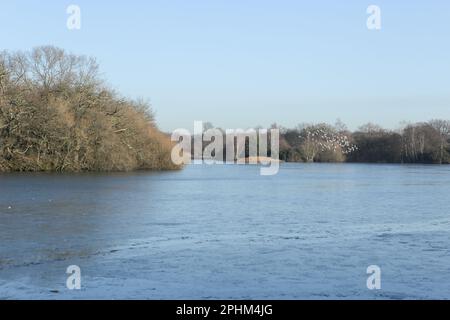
{"x": 443, "y": 127}
{"x": 323, "y": 138}
{"x": 420, "y": 143}
{"x": 371, "y": 128}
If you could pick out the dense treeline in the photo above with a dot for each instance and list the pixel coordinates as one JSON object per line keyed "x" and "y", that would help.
{"x": 57, "y": 115}
{"x": 427, "y": 142}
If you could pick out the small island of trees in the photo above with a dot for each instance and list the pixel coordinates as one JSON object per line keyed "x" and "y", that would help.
{"x": 56, "y": 114}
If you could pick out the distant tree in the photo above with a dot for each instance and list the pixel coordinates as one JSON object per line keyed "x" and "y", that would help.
{"x": 340, "y": 126}
{"x": 322, "y": 142}
{"x": 421, "y": 143}
{"x": 371, "y": 128}
{"x": 377, "y": 146}
{"x": 443, "y": 128}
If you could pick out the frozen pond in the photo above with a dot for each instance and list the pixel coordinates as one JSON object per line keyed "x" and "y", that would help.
{"x": 309, "y": 232}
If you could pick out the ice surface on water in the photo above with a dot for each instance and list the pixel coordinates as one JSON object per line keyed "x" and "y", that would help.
{"x": 226, "y": 232}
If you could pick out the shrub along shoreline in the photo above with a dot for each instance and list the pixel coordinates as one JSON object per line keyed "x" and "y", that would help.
{"x": 56, "y": 114}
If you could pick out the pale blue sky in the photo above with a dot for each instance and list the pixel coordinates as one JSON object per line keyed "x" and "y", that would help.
{"x": 249, "y": 62}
